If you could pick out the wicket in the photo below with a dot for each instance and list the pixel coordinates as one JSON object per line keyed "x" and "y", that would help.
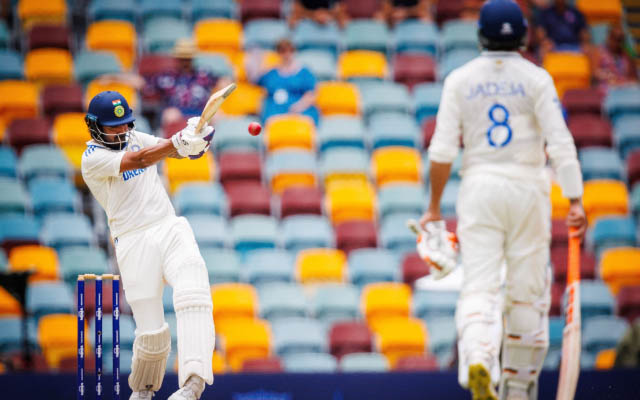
{"x": 115, "y": 293}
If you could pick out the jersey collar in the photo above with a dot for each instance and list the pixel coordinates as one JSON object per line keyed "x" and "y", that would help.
{"x": 487, "y": 53}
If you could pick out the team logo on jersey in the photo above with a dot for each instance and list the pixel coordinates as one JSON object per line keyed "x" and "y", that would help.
{"x": 506, "y": 29}
{"x": 118, "y": 111}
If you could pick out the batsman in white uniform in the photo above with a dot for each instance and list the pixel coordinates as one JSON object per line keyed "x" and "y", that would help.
{"x": 505, "y": 112}
{"x": 152, "y": 244}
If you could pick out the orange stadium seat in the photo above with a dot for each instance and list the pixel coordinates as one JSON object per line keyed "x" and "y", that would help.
{"x": 233, "y": 301}
{"x": 179, "y": 171}
{"x": 395, "y": 164}
{"x": 57, "y": 335}
{"x": 96, "y": 86}
{"x": 568, "y": 70}
{"x": 32, "y": 12}
{"x": 337, "y": 98}
{"x": 605, "y": 359}
{"x": 559, "y": 204}
{"x": 289, "y": 131}
{"x": 598, "y": 11}
{"x": 362, "y": 64}
{"x": 219, "y": 36}
{"x": 620, "y": 267}
{"x": 321, "y": 266}
{"x": 350, "y": 200}
{"x": 118, "y": 37}
{"x": 399, "y": 337}
{"x": 605, "y": 197}
{"x": 18, "y": 99}
{"x": 245, "y": 339}
{"x": 9, "y": 306}
{"x": 41, "y": 259}
{"x": 245, "y": 100}
{"x": 385, "y": 300}
{"x": 70, "y": 133}
{"x": 49, "y": 66}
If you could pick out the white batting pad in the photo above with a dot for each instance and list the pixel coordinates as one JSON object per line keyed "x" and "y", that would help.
{"x": 150, "y": 353}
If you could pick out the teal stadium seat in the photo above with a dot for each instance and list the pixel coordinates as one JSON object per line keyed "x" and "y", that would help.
{"x": 426, "y": 99}
{"x": 601, "y": 163}
{"x": 393, "y": 129}
{"x": 401, "y": 198}
{"x": 161, "y": 33}
{"x": 622, "y": 101}
{"x": 344, "y": 160}
{"x": 369, "y": 265}
{"x": 216, "y": 64}
{"x": 310, "y": 363}
{"x": 127, "y": 335}
{"x": 321, "y": 63}
{"x": 223, "y": 265}
{"x": 394, "y": 234}
{"x": 587, "y": 361}
{"x": 203, "y": 9}
{"x": 364, "y": 362}
{"x": 625, "y": 133}
{"x": 11, "y": 335}
{"x": 13, "y": 196}
{"x": 4, "y": 35}
{"x": 298, "y": 335}
{"x": 268, "y": 266}
{"x": 78, "y": 260}
{"x": 288, "y": 161}
{"x": 209, "y": 230}
{"x": 431, "y": 304}
{"x": 301, "y": 232}
{"x": 49, "y": 297}
{"x": 595, "y": 299}
{"x": 366, "y": 34}
{"x": 167, "y": 301}
{"x": 599, "y": 33}
{"x": 200, "y": 198}
{"x": 142, "y": 125}
{"x": 449, "y": 197}
{"x": 308, "y": 35}
{"x": 556, "y": 328}
{"x": 250, "y": 231}
{"x": 635, "y": 200}
{"x": 8, "y": 162}
{"x": 231, "y": 135}
{"x": 333, "y": 303}
{"x": 61, "y": 230}
{"x": 4, "y": 263}
{"x": 264, "y": 33}
{"x": 612, "y": 232}
{"x": 459, "y": 34}
{"x": 456, "y": 166}
{"x": 51, "y": 195}
{"x": 11, "y": 65}
{"x": 603, "y": 332}
{"x": 18, "y": 229}
{"x": 442, "y": 338}
{"x": 340, "y": 131}
{"x": 151, "y": 9}
{"x": 88, "y": 65}
{"x": 124, "y": 10}
{"x": 454, "y": 59}
{"x": 412, "y": 36}
{"x": 281, "y": 300}
{"x": 383, "y": 96}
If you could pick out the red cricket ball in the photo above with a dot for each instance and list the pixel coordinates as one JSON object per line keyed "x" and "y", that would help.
{"x": 255, "y": 128}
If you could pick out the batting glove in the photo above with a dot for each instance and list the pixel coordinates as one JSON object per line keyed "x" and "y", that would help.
{"x": 438, "y": 248}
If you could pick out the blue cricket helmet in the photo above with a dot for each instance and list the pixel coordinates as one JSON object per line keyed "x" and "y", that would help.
{"x": 502, "y": 25}
{"x": 109, "y": 108}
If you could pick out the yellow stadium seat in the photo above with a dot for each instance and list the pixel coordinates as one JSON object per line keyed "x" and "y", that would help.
{"x": 395, "y": 164}
{"x": 41, "y": 259}
{"x": 559, "y": 204}
{"x": 57, "y": 335}
{"x": 337, "y": 98}
{"x": 384, "y": 300}
{"x": 34, "y": 12}
{"x": 605, "y": 197}
{"x": 290, "y": 177}
{"x": 245, "y": 339}
{"x": 348, "y": 200}
{"x": 289, "y": 131}
{"x": 116, "y": 36}
{"x": 218, "y": 364}
{"x": 362, "y": 64}
{"x": 399, "y": 337}
{"x": 219, "y": 36}
{"x": 94, "y": 87}
{"x": 245, "y": 100}
{"x": 568, "y": 70}
{"x": 9, "y": 306}
{"x": 49, "y": 66}
{"x": 346, "y": 176}
{"x": 3, "y": 128}
{"x": 233, "y": 301}
{"x": 620, "y": 266}
{"x": 18, "y": 99}
{"x": 179, "y": 171}
{"x": 321, "y": 266}
{"x": 598, "y": 11}
{"x": 605, "y": 359}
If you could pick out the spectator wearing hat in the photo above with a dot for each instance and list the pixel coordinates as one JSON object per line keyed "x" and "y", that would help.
{"x": 562, "y": 27}
{"x": 613, "y": 66}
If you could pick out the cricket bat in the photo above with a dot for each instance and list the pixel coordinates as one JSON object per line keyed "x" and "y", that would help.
{"x": 213, "y": 105}
{"x": 570, "y": 363}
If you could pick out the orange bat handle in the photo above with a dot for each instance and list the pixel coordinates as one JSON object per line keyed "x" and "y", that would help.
{"x": 573, "y": 262}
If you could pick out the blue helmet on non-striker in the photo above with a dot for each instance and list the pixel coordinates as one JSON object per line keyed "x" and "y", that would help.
{"x": 502, "y": 25}
{"x": 109, "y": 108}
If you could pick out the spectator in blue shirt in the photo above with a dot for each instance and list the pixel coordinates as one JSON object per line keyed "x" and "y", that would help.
{"x": 562, "y": 27}
{"x": 290, "y": 87}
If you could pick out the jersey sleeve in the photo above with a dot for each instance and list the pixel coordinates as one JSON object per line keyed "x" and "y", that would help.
{"x": 98, "y": 162}
{"x": 559, "y": 142}
{"x": 445, "y": 143}
{"x": 147, "y": 140}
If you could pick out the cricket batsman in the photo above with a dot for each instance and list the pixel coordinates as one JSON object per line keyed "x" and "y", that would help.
{"x": 152, "y": 244}
{"x": 505, "y": 112}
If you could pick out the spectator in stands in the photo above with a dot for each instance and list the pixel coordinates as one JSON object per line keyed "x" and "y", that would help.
{"x": 562, "y": 27}
{"x": 319, "y": 11}
{"x": 396, "y": 11}
{"x": 612, "y": 65}
{"x": 290, "y": 87}
{"x": 628, "y": 350}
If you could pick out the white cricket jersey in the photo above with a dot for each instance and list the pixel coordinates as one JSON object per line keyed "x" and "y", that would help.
{"x": 132, "y": 199}
{"x": 506, "y": 110}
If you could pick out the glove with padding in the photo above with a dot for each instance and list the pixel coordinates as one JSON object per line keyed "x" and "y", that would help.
{"x": 438, "y": 248}
{"x": 192, "y": 145}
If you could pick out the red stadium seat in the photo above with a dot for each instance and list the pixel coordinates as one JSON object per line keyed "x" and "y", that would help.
{"x": 557, "y": 291}
{"x": 633, "y": 168}
{"x": 446, "y": 10}
{"x": 428, "y": 129}
{"x": 559, "y": 261}
{"x": 628, "y": 302}
{"x": 361, "y": 8}
{"x": 48, "y": 36}
{"x": 583, "y": 101}
{"x": 559, "y": 233}
{"x": 107, "y": 305}
{"x": 301, "y": 200}
{"x": 262, "y": 365}
{"x": 356, "y": 234}
{"x": 153, "y": 64}
{"x": 417, "y": 363}
{"x": 256, "y": 9}
{"x": 413, "y": 268}
{"x": 58, "y": 99}
{"x": 411, "y": 69}
{"x": 590, "y": 130}
{"x": 239, "y": 167}
{"x": 23, "y": 132}
{"x": 248, "y": 198}
{"x": 170, "y": 128}
{"x": 349, "y": 337}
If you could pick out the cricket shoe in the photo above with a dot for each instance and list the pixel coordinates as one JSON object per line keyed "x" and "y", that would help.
{"x": 144, "y": 395}
{"x": 191, "y": 390}
{"x": 480, "y": 383}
